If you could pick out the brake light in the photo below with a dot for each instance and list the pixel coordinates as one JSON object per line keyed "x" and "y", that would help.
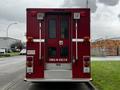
{"x": 29, "y": 64}
{"x": 86, "y": 64}
{"x": 86, "y": 61}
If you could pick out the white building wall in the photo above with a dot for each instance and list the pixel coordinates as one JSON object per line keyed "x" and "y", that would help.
{"x": 6, "y": 42}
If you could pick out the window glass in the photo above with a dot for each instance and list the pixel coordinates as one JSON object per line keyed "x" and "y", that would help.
{"x": 64, "y": 28}
{"x": 64, "y": 51}
{"x": 51, "y": 51}
{"x": 52, "y": 28}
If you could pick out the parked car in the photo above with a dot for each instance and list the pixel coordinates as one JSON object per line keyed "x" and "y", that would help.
{"x": 2, "y": 51}
{"x": 23, "y": 52}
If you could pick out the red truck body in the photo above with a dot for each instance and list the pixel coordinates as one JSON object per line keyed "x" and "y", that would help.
{"x": 58, "y": 45}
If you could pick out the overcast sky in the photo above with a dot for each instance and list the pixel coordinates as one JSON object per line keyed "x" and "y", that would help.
{"x": 105, "y": 17}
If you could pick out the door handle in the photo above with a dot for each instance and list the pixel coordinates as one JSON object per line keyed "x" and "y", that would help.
{"x": 61, "y": 42}
{"x": 73, "y": 60}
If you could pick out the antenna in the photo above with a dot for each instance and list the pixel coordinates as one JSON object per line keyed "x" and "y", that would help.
{"x": 87, "y": 3}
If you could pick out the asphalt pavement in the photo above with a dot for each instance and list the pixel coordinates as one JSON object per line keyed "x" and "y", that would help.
{"x": 12, "y": 72}
{"x": 10, "y": 69}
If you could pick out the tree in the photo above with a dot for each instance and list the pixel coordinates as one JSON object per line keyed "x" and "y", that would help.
{"x": 17, "y": 46}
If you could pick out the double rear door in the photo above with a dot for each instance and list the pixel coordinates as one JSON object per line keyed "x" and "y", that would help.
{"x": 58, "y": 42}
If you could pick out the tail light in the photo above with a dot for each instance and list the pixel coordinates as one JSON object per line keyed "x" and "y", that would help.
{"x": 29, "y": 64}
{"x": 86, "y": 64}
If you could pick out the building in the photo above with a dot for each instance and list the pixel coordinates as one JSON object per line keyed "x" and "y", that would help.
{"x": 6, "y": 42}
{"x": 106, "y": 47}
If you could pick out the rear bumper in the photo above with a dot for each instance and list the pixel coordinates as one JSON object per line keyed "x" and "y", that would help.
{"x": 59, "y": 80}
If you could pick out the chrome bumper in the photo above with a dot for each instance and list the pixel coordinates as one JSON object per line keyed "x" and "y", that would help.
{"x": 58, "y": 80}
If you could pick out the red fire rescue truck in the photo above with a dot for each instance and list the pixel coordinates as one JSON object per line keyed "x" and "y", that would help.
{"x": 58, "y": 45}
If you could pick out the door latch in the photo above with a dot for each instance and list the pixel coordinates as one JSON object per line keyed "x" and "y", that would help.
{"x": 60, "y": 42}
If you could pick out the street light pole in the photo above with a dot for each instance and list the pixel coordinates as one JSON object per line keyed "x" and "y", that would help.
{"x": 7, "y": 42}
{"x": 8, "y": 28}
{"x": 87, "y": 3}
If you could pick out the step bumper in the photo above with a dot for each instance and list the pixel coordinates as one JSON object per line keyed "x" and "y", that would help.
{"x": 59, "y": 80}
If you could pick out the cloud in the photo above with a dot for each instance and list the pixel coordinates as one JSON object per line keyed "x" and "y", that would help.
{"x": 119, "y": 16}
{"x": 104, "y": 31}
{"x": 104, "y": 21}
{"x": 81, "y": 4}
{"x": 15, "y": 31}
{"x": 92, "y": 4}
{"x": 14, "y": 10}
{"x": 109, "y": 2}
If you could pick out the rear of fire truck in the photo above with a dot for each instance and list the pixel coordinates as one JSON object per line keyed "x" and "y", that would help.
{"x": 58, "y": 45}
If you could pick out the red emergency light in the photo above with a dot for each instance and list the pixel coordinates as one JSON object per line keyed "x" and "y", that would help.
{"x": 82, "y": 13}
{"x": 33, "y": 13}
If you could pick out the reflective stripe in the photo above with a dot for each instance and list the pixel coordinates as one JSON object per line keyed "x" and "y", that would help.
{"x": 38, "y": 40}
{"x": 77, "y": 40}
{"x": 30, "y": 52}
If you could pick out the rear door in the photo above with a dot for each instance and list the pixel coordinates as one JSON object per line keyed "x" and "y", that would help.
{"x": 58, "y": 41}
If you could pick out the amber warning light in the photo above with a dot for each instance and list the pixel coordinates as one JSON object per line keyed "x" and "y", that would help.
{"x": 29, "y": 39}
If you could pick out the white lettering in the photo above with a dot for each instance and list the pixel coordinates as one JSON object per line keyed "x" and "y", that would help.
{"x": 56, "y": 59}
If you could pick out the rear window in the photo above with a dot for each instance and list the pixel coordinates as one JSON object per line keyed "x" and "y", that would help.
{"x": 52, "y": 28}
{"x": 51, "y": 51}
{"x": 64, "y": 51}
{"x": 64, "y": 28}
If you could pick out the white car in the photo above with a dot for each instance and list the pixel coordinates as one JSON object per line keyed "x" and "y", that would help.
{"x": 23, "y": 52}
{"x": 2, "y": 51}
